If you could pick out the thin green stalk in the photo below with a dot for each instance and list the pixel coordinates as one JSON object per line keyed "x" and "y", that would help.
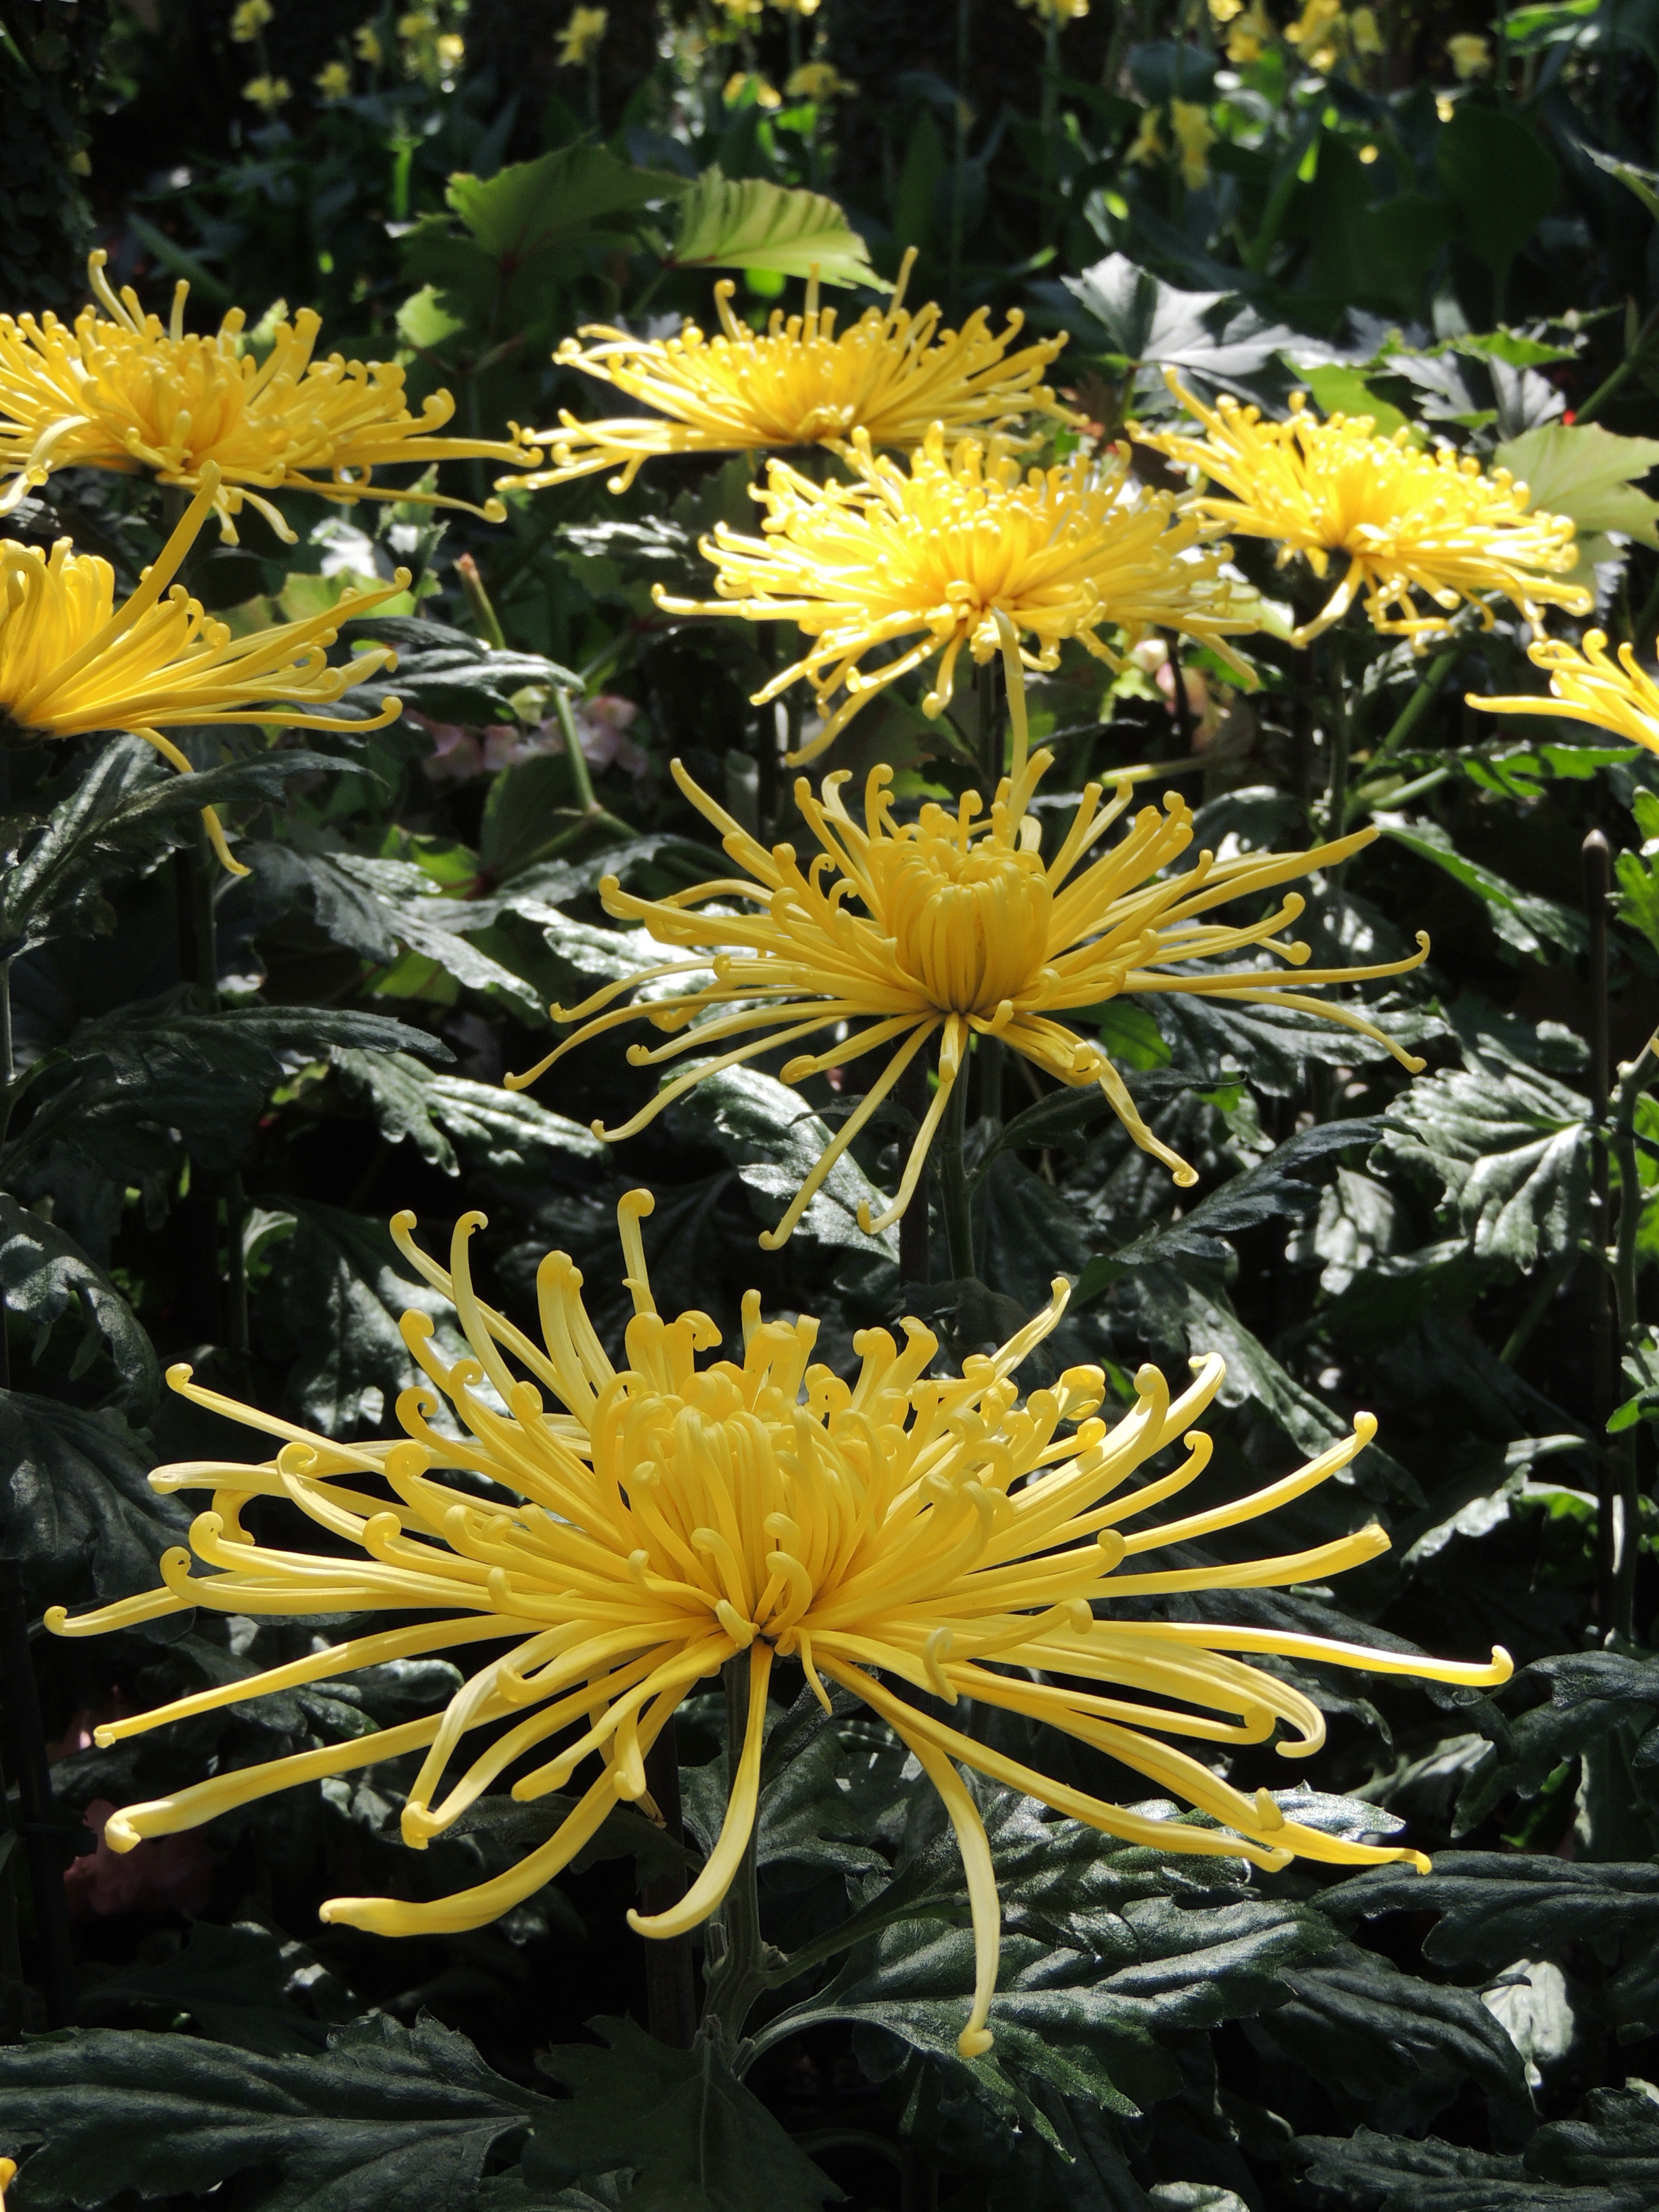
{"x": 1597, "y": 860}
{"x": 1633, "y": 1077}
{"x": 595, "y": 816}
{"x": 1415, "y": 789}
{"x": 1621, "y": 375}
{"x": 989, "y": 736}
{"x": 479, "y": 603}
{"x": 1536, "y": 1307}
{"x": 743, "y": 1970}
{"x": 1415, "y": 707}
{"x": 954, "y": 1202}
{"x": 1341, "y": 729}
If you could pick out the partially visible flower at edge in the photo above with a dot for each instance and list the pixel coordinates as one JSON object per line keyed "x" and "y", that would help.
{"x": 764, "y": 93}
{"x": 1250, "y": 36}
{"x": 73, "y": 663}
{"x": 1366, "y": 33}
{"x": 1058, "y": 12}
{"x": 367, "y": 39}
{"x": 1586, "y": 685}
{"x": 123, "y": 391}
{"x": 1403, "y": 520}
{"x": 670, "y": 1519}
{"x": 247, "y": 18}
{"x": 1148, "y": 146}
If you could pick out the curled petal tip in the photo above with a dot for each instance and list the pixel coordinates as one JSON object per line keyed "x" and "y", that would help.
{"x": 178, "y": 1374}
{"x": 972, "y": 2043}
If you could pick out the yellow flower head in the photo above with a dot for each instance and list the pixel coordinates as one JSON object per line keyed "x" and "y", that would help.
{"x": 1057, "y": 12}
{"x": 891, "y": 373}
{"x": 1365, "y": 33}
{"x": 8, "y": 2175}
{"x": 1194, "y": 135}
{"x": 962, "y": 548}
{"x": 71, "y": 661}
{"x": 123, "y": 391}
{"x": 818, "y": 82}
{"x": 247, "y": 18}
{"x": 578, "y": 41}
{"x": 1586, "y": 685}
{"x": 766, "y": 94}
{"x": 1470, "y": 54}
{"x": 1148, "y": 146}
{"x": 1404, "y": 520}
{"x": 333, "y": 80}
{"x": 947, "y": 927}
{"x": 647, "y": 1525}
{"x": 1314, "y": 27}
{"x": 367, "y": 40}
{"x": 268, "y": 94}
{"x": 1250, "y": 36}
{"x": 1223, "y": 11}
{"x": 796, "y": 7}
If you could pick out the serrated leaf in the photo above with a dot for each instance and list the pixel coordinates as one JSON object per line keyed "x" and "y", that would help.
{"x": 1273, "y": 1046}
{"x": 1510, "y": 1146}
{"x": 1389, "y": 2174}
{"x": 1217, "y": 335}
{"x": 334, "y": 1296}
{"x": 1587, "y": 474}
{"x": 774, "y": 1139}
{"x": 728, "y": 223}
{"x": 1524, "y": 919}
{"x": 44, "y": 1275}
{"x": 1591, "y": 1694}
{"x": 75, "y": 1504}
{"x": 503, "y": 1134}
{"x": 692, "y": 2137}
{"x": 388, "y": 2120}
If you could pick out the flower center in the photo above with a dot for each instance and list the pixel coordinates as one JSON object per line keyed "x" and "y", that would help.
{"x": 971, "y": 924}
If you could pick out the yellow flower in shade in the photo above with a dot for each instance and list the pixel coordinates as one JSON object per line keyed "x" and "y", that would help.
{"x": 1470, "y": 54}
{"x": 1058, "y": 12}
{"x": 333, "y": 80}
{"x": 818, "y": 82}
{"x": 1317, "y": 27}
{"x": 8, "y": 2175}
{"x": 578, "y": 41}
{"x": 796, "y": 7}
{"x": 946, "y": 552}
{"x": 247, "y": 18}
{"x": 1366, "y": 34}
{"x": 123, "y": 391}
{"x": 1587, "y": 685}
{"x": 1250, "y": 36}
{"x": 800, "y": 382}
{"x": 948, "y": 927}
{"x": 71, "y": 661}
{"x": 268, "y": 94}
{"x": 1148, "y": 147}
{"x": 766, "y": 94}
{"x": 1223, "y": 11}
{"x": 367, "y": 40}
{"x": 1403, "y": 520}
{"x": 650, "y": 1525}
{"x": 1194, "y": 135}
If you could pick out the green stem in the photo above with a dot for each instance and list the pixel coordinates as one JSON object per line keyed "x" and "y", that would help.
{"x": 742, "y": 1971}
{"x": 1537, "y": 1306}
{"x": 1621, "y": 375}
{"x": 954, "y": 1201}
{"x": 1597, "y": 861}
{"x": 1633, "y": 1076}
{"x": 1415, "y": 707}
{"x": 574, "y": 753}
{"x": 1341, "y": 729}
{"x": 479, "y": 603}
{"x": 989, "y": 739}
{"x": 1408, "y": 792}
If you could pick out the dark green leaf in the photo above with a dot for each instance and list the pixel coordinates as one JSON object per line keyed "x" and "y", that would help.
{"x": 76, "y": 1504}
{"x": 1502, "y": 177}
{"x": 692, "y": 2137}
{"x": 1386, "y": 2173}
{"x": 44, "y": 1273}
{"x": 232, "y": 1983}
{"x": 499, "y": 1132}
{"x": 1525, "y": 919}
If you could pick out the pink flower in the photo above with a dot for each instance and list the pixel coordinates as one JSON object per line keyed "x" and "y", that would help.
{"x": 171, "y": 1874}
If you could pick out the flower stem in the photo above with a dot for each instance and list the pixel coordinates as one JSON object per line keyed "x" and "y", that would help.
{"x": 671, "y": 1994}
{"x": 1597, "y": 865}
{"x": 990, "y": 740}
{"x": 742, "y": 1971}
{"x": 1633, "y": 1077}
{"x": 954, "y": 1202}
{"x": 1415, "y": 707}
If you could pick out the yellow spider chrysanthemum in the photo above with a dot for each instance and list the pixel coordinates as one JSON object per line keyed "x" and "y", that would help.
{"x": 1195, "y": 134}
{"x": 123, "y": 391}
{"x": 951, "y": 927}
{"x": 582, "y": 35}
{"x": 1405, "y": 520}
{"x": 892, "y": 374}
{"x": 654, "y": 1522}
{"x": 71, "y": 661}
{"x": 961, "y": 547}
{"x": 1587, "y": 685}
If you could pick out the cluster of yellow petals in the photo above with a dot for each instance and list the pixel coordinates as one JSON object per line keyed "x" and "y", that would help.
{"x": 964, "y": 548}
{"x": 668, "y": 1518}
{"x": 1404, "y": 519}
{"x": 1587, "y": 685}
{"x": 892, "y": 374}
{"x": 123, "y": 391}
{"x": 71, "y": 661}
{"x": 952, "y": 927}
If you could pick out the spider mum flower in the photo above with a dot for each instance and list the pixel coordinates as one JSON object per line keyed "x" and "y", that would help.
{"x": 71, "y": 661}
{"x": 892, "y": 374}
{"x": 670, "y": 1518}
{"x": 1587, "y": 685}
{"x": 1404, "y": 520}
{"x": 947, "y": 927}
{"x": 963, "y": 549}
{"x": 123, "y": 391}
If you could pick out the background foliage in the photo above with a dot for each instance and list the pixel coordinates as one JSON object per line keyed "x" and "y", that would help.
{"x": 1417, "y": 211}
